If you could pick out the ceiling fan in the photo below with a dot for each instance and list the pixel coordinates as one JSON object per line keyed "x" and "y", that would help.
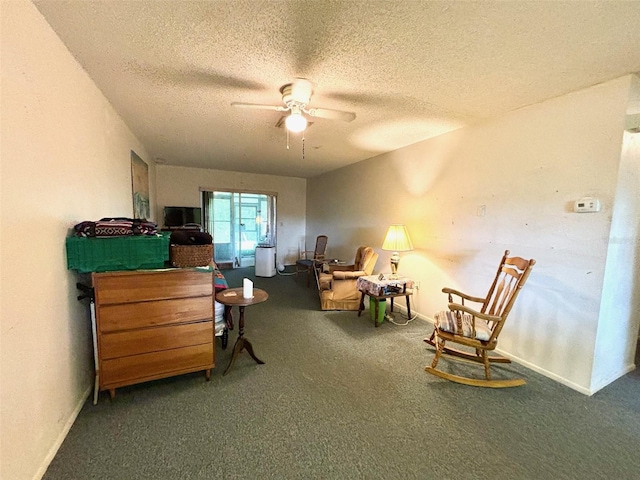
{"x": 296, "y": 97}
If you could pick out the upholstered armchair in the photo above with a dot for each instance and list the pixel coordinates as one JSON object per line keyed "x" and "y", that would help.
{"x": 338, "y": 286}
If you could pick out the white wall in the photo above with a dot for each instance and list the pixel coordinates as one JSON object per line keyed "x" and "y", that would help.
{"x": 619, "y": 318}
{"x": 527, "y": 168}
{"x": 181, "y": 186}
{"x": 65, "y": 158}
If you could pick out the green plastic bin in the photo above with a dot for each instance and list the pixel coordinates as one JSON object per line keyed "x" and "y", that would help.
{"x": 118, "y": 253}
{"x": 382, "y": 308}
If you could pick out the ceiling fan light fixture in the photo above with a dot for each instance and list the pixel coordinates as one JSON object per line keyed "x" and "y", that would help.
{"x": 296, "y": 97}
{"x": 296, "y": 121}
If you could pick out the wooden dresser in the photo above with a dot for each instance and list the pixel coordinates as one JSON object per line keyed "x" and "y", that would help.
{"x": 152, "y": 324}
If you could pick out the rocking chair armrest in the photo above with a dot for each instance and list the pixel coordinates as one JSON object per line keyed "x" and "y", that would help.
{"x": 456, "y": 307}
{"x": 451, "y": 291}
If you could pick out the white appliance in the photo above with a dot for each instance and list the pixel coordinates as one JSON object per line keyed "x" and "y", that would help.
{"x": 265, "y": 261}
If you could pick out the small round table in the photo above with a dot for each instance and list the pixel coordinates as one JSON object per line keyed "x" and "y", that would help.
{"x": 233, "y": 297}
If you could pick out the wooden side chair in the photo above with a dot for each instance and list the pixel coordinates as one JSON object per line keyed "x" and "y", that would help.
{"x": 309, "y": 264}
{"x": 479, "y": 329}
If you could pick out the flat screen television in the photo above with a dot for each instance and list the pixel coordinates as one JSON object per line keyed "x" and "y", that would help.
{"x": 178, "y": 216}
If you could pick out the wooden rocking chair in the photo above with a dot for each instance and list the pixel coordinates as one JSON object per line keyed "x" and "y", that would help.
{"x": 480, "y": 329}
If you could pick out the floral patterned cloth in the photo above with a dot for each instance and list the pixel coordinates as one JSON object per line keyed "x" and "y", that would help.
{"x": 373, "y": 285}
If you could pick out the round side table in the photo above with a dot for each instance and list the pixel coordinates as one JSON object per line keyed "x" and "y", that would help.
{"x": 233, "y": 297}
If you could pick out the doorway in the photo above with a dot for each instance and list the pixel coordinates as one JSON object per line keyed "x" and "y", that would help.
{"x": 238, "y": 223}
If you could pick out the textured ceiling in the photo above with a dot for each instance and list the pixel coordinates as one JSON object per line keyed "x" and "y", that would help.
{"x": 410, "y": 70}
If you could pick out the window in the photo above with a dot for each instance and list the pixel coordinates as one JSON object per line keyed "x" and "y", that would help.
{"x": 238, "y": 222}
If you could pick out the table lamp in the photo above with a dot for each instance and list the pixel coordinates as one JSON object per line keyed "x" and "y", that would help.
{"x": 397, "y": 240}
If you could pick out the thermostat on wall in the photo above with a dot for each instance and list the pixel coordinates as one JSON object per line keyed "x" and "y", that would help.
{"x": 586, "y": 204}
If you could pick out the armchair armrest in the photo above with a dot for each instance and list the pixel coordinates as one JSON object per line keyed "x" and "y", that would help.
{"x": 338, "y": 268}
{"x": 456, "y": 307}
{"x": 345, "y": 274}
{"x": 451, "y": 291}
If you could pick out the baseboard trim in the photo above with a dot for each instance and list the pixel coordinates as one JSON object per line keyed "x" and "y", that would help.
{"x": 613, "y": 378}
{"x": 546, "y": 373}
{"x": 403, "y": 310}
{"x": 63, "y": 434}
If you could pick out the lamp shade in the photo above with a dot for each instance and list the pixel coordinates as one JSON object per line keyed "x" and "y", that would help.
{"x": 397, "y": 239}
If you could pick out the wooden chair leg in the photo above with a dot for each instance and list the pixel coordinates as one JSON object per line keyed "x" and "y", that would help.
{"x": 361, "y": 306}
{"x": 439, "y": 349}
{"x": 431, "y": 339}
{"x": 485, "y": 360}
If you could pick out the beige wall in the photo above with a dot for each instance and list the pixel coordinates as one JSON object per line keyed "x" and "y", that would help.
{"x": 181, "y": 186}
{"x": 65, "y": 158}
{"x": 526, "y": 168}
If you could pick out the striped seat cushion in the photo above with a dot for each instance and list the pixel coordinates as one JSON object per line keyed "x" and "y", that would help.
{"x": 447, "y": 322}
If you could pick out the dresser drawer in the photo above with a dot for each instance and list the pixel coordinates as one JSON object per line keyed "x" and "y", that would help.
{"x": 150, "y": 366}
{"x": 128, "y": 316}
{"x": 135, "y": 342}
{"x": 127, "y": 287}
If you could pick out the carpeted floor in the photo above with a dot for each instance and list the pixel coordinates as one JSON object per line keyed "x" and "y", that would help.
{"x": 340, "y": 399}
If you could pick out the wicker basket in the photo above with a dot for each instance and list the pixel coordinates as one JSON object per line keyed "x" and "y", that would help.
{"x": 190, "y": 255}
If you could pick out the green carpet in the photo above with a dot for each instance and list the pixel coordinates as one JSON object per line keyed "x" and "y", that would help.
{"x": 340, "y": 399}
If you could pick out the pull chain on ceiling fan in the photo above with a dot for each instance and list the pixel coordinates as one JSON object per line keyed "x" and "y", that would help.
{"x": 303, "y": 139}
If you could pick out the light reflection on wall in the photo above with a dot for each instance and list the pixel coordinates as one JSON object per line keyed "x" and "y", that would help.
{"x": 418, "y": 149}
{"x": 389, "y": 136}
{"x": 420, "y": 165}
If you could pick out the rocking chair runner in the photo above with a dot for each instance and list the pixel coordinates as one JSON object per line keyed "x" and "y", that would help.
{"x": 480, "y": 329}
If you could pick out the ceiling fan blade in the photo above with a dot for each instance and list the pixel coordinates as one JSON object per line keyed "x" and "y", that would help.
{"x": 277, "y": 108}
{"x": 192, "y": 76}
{"x": 331, "y": 114}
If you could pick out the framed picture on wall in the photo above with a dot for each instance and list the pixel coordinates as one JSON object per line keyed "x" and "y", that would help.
{"x": 140, "y": 186}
